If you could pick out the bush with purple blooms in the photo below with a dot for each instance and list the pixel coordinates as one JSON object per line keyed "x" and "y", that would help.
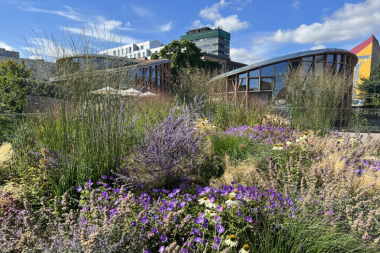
{"x": 263, "y": 134}
{"x": 113, "y": 219}
{"x": 110, "y": 218}
{"x": 170, "y": 152}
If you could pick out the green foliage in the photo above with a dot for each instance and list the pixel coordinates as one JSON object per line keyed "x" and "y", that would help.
{"x": 12, "y": 87}
{"x": 182, "y": 54}
{"x": 40, "y": 88}
{"x": 235, "y": 147}
{"x": 225, "y": 115}
{"x": 318, "y": 102}
{"x": 83, "y": 141}
{"x": 305, "y": 235}
{"x": 371, "y": 87}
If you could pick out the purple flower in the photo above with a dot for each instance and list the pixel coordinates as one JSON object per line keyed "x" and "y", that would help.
{"x": 79, "y": 188}
{"x": 200, "y": 219}
{"x": 217, "y": 241}
{"x": 198, "y": 240}
{"x": 161, "y": 249}
{"x": 195, "y": 231}
{"x": 248, "y": 219}
{"x": 184, "y": 250}
{"x": 105, "y": 195}
{"x": 88, "y": 184}
{"x": 219, "y": 228}
{"x": 144, "y": 220}
{"x": 163, "y": 238}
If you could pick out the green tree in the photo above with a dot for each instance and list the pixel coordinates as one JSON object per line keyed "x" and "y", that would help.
{"x": 182, "y": 54}
{"x": 13, "y": 87}
{"x": 371, "y": 87}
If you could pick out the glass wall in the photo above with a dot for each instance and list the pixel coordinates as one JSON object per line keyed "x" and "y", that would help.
{"x": 272, "y": 78}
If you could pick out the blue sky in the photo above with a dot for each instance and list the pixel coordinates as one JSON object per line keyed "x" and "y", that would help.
{"x": 260, "y": 29}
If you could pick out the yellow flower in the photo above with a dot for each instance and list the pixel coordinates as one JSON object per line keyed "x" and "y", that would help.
{"x": 278, "y": 147}
{"x": 231, "y": 241}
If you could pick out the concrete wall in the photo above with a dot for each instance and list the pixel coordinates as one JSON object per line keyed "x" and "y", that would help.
{"x": 41, "y": 70}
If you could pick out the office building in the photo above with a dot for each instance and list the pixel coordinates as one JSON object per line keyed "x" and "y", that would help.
{"x": 210, "y": 41}
{"x": 136, "y": 50}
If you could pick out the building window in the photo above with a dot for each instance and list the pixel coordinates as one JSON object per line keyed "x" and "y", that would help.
{"x": 267, "y": 71}
{"x": 243, "y": 82}
{"x": 254, "y": 73}
{"x": 266, "y": 84}
{"x": 254, "y": 84}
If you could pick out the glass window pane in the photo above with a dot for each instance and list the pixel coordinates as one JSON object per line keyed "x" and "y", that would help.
{"x": 320, "y": 58}
{"x": 242, "y": 84}
{"x": 309, "y": 58}
{"x": 266, "y": 84}
{"x": 279, "y": 89}
{"x": 339, "y": 58}
{"x": 254, "y": 73}
{"x": 267, "y": 71}
{"x": 243, "y": 75}
{"x": 330, "y": 58}
{"x": 281, "y": 68}
{"x": 343, "y": 58}
{"x": 254, "y": 84}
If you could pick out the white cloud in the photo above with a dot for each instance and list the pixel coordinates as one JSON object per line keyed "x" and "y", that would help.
{"x": 166, "y": 27}
{"x": 6, "y": 46}
{"x": 141, "y": 11}
{"x": 258, "y": 51}
{"x": 349, "y": 22}
{"x": 103, "y": 29}
{"x": 243, "y": 55}
{"x": 213, "y": 13}
{"x": 197, "y": 24}
{"x": 68, "y": 12}
{"x": 317, "y": 47}
{"x": 231, "y": 23}
{"x": 96, "y": 27}
{"x": 296, "y": 4}
{"x": 41, "y": 47}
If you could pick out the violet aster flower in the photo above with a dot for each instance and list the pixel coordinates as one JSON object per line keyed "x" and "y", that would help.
{"x": 219, "y": 228}
{"x": 198, "y": 240}
{"x": 163, "y": 238}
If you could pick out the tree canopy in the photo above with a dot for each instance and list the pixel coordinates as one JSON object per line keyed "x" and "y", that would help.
{"x": 184, "y": 54}
{"x": 12, "y": 87}
{"x": 371, "y": 87}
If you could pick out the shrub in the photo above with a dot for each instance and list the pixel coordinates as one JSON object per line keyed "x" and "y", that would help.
{"x": 12, "y": 87}
{"x": 237, "y": 148}
{"x": 172, "y": 150}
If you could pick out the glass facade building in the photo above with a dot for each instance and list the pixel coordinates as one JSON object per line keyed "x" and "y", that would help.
{"x": 210, "y": 41}
{"x": 267, "y": 79}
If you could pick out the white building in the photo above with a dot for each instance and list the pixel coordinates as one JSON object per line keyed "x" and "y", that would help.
{"x": 135, "y": 50}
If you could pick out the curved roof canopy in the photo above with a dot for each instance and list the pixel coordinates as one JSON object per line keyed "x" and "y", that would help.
{"x": 284, "y": 58}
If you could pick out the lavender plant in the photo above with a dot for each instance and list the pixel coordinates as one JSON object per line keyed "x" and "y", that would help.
{"x": 172, "y": 150}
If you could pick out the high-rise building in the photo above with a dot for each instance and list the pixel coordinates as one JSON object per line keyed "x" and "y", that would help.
{"x": 210, "y": 41}
{"x": 368, "y": 53}
{"x": 136, "y": 50}
{"x": 9, "y": 54}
